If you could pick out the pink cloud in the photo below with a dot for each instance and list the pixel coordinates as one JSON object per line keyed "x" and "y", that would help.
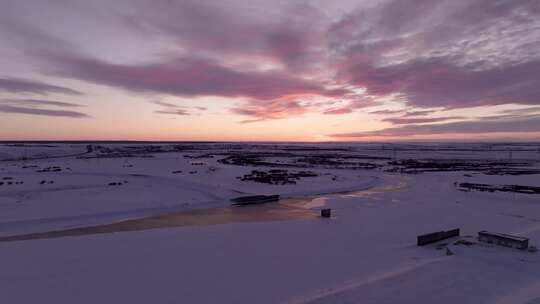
{"x": 188, "y": 77}
{"x": 288, "y": 106}
{"x": 338, "y": 111}
{"x": 427, "y": 54}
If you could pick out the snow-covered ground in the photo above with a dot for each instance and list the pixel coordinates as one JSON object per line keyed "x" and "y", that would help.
{"x": 214, "y": 253}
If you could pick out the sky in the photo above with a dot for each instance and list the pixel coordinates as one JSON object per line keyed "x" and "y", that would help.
{"x": 295, "y": 70}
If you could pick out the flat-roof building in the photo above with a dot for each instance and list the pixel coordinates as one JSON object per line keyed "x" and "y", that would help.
{"x": 503, "y": 239}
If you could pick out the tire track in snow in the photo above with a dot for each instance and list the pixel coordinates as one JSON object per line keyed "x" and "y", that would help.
{"x": 350, "y": 285}
{"x": 529, "y": 294}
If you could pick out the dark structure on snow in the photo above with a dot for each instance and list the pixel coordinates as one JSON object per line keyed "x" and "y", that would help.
{"x": 254, "y": 200}
{"x": 436, "y": 236}
{"x": 502, "y": 239}
{"x": 326, "y": 213}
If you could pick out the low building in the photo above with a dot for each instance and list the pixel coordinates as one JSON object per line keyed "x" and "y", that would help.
{"x": 502, "y": 239}
{"x": 434, "y": 237}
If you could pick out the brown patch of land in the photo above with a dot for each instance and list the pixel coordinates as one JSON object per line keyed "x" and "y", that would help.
{"x": 214, "y": 216}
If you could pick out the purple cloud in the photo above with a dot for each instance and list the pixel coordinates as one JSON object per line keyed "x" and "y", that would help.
{"x": 41, "y": 112}
{"x": 174, "y": 109}
{"x": 436, "y": 83}
{"x": 292, "y": 37}
{"x": 17, "y": 85}
{"x": 173, "y": 112}
{"x": 35, "y": 107}
{"x": 387, "y": 112}
{"x": 38, "y": 102}
{"x": 450, "y": 54}
{"x": 405, "y": 120}
{"x": 164, "y": 104}
{"x": 418, "y": 113}
{"x": 480, "y": 126}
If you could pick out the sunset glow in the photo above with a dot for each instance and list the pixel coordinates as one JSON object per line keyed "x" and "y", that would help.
{"x": 270, "y": 70}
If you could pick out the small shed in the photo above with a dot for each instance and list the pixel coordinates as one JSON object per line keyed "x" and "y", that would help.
{"x": 326, "y": 212}
{"x": 502, "y": 239}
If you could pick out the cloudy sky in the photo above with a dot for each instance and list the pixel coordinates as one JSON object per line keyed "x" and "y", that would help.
{"x": 305, "y": 70}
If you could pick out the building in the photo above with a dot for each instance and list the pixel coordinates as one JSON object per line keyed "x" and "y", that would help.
{"x": 503, "y": 239}
{"x": 436, "y": 236}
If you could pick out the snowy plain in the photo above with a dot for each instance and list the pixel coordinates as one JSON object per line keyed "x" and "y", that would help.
{"x": 210, "y": 252}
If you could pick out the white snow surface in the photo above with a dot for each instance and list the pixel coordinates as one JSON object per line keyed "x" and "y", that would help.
{"x": 366, "y": 253}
